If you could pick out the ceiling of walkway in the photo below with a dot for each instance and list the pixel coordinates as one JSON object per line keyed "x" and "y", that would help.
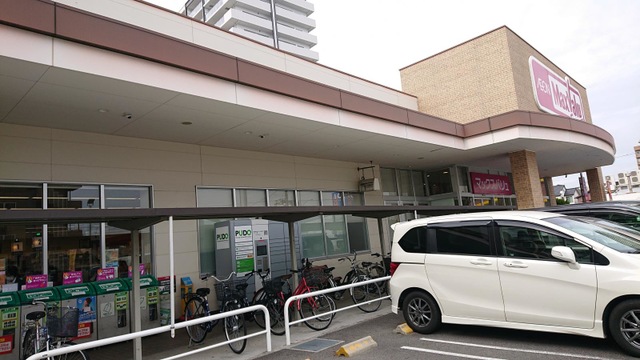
{"x": 42, "y": 96}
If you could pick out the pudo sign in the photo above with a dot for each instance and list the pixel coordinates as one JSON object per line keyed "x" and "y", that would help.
{"x": 554, "y": 94}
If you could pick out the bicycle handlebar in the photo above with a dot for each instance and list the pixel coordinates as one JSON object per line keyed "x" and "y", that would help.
{"x": 220, "y": 280}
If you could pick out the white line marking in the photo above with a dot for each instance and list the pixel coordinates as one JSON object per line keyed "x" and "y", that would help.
{"x": 515, "y": 349}
{"x": 450, "y": 353}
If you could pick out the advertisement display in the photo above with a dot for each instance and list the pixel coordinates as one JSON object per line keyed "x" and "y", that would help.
{"x": 489, "y": 184}
{"x": 554, "y": 94}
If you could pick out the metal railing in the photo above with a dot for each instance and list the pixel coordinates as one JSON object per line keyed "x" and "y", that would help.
{"x": 161, "y": 329}
{"x": 288, "y": 323}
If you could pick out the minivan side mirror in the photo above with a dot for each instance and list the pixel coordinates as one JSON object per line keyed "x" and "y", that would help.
{"x": 563, "y": 253}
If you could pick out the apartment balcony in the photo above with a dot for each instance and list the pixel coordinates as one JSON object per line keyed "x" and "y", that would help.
{"x": 302, "y": 6}
{"x": 295, "y": 19}
{"x": 296, "y": 36}
{"x": 193, "y": 9}
{"x": 234, "y": 17}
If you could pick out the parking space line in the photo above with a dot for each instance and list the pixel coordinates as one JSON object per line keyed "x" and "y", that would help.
{"x": 515, "y": 349}
{"x": 449, "y": 353}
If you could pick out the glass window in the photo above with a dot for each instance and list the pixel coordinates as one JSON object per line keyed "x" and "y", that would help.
{"x": 414, "y": 241}
{"x": 357, "y": 231}
{"x": 282, "y": 198}
{"x": 118, "y": 241}
{"x": 404, "y": 182}
{"x": 466, "y": 240}
{"x": 531, "y": 243}
{"x": 439, "y": 182}
{"x": 353, "y": 199}
{"x": 463, "y": 179}
{"x": 20, "y": 196}
{"x": 215, "y": 197}
{"x": 210, "y": 197}
{"x": 332, "y": 198}
{"x": 389, "y": 185}
{"x": 419, "y": 185}
{"x": 127, "y": 197}
{"x": 74, "y": 247}
{"x": 335, "y": 234}
{"x": 250, "y": 197}
{"x": 73, "y": 196}
{"x": 312, "y": 237}
{"x": 308, "y": 198}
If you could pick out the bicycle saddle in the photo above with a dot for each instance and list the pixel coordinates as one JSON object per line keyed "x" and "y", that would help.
{"x": 36, "y": 315}
{"x": 203, "y": 291}
{"x": 329, "y": 269}
{"x": 367, "y": 263}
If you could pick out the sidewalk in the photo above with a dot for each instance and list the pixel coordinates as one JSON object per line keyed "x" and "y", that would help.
{"x": 162, "y": 345}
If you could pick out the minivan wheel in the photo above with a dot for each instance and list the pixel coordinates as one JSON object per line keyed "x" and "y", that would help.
{"x": 624, "y": 326}
{"x": 421, "y": 312}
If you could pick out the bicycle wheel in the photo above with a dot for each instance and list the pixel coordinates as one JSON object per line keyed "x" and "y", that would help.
{"x": 317, "y": 305}
{"x": 76, "y": 355}
{"x": 234, "y": 328}
{"x": 259, "y": 298}
{"x": 195, "y": 309}
{"x": 377, "y": 271}
{"x": 276, "y": 315}
{"x": 364, "y": 293}
{"x": 29, "y": 343}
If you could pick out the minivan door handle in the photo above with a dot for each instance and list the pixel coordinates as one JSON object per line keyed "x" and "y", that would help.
{"x": 481, "y": 261}
{"x": 516, "y": 265}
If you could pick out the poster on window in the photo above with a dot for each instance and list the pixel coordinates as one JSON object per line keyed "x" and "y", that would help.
{"x": 490, "y": 184}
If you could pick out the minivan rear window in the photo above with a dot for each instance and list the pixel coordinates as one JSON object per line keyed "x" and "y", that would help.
{"x": 414, "y": 241}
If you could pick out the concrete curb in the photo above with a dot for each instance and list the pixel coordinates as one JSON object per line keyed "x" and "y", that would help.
{"x": 403, "y": 329}
{"x": 356, "y": 347}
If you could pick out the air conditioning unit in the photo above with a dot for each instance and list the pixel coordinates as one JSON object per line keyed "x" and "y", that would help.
{"x": 621, "y": 176}
{"x": 371, "y": 184}
{"x": 607, "y": 178}
{"x": 635, "y": 180}
{"x": 633, "y": 173}
{"x": 622, "y": 181}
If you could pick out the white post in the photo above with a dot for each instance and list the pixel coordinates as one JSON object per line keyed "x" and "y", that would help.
{"x": 171, "y": 279}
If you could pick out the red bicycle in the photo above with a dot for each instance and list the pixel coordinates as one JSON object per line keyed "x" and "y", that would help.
{"x": 313, "y": 305}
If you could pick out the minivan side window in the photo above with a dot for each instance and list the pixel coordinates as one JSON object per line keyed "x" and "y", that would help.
{"x": 531, "y": 243}
{"x": 463, "y": 239}
{"x": 414, "y": 241}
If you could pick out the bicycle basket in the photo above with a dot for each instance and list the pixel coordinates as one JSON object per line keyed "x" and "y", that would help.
{"x": 315, "y": 276}
{"x": 231, "y": 284}
{"x": 273, "y": 286}
{"x": 64, "y": 325}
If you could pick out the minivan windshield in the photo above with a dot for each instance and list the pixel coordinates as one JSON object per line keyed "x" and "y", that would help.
{"x": 609, "y": 234}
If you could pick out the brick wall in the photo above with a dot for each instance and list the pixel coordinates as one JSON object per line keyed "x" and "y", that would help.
{"x": 526, "y": 179}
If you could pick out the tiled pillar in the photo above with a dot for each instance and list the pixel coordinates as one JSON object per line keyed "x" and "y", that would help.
{"x": 526, "y": 179}
{"x": 552, "y": 196}
{"x": 596, "y": 185}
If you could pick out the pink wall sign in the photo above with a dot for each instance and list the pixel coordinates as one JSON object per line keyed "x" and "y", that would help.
{"x": 36, "y": 281}
{"x": 489, "y": 184}
{"x": 554, "y": 94}
{"x": 106, "y": 274}
{"x": 71, "y": 277}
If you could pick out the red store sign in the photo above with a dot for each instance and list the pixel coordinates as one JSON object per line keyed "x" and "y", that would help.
{"x": 488, "y": 184}
{"x": 554, "y": 94}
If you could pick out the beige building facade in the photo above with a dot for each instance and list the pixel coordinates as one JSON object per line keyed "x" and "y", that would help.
{"x": 119, "y": 104}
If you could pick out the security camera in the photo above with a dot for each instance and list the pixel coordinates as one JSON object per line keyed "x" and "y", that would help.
{"x": 127, "y": 115}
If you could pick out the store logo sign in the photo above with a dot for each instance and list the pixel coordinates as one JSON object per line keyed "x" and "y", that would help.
{"x": 489, "y": 184}
{"x": 554, "y": 94}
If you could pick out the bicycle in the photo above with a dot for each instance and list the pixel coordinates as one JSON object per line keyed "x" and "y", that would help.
{"x": 269, "y": 296}
{"x": 363, "y": 293}
{"x": 61, "y": 326}
{"x": 231, "y": 295}
{"x": 381, "y": 269}
{"x": 313, "y": 305}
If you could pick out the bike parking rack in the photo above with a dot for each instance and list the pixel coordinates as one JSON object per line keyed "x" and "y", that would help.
{"x": 140, "y": 334}
{"x": 288, "y": 323}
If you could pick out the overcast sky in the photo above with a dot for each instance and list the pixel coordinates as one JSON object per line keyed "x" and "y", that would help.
{"x": 596, "y": 42}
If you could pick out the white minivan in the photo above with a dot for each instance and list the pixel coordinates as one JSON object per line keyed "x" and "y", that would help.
{"x": 519, "y": 269}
